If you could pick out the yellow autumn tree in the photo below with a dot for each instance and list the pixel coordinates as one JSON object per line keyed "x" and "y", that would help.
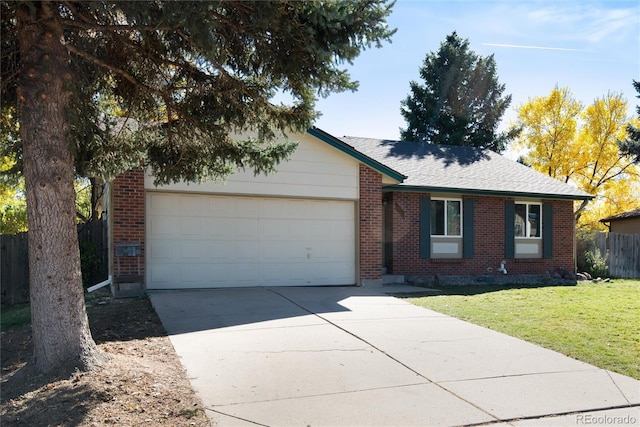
{"x": 579, "y": 146}
{"x": 13, "y": 206}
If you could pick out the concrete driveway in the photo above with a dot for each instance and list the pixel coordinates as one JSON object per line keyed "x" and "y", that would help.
{"x": 348, "y": 356}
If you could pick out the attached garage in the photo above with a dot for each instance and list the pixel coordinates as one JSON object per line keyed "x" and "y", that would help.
{"x": 296, "y": 227}
{"x": 317, "y": 221}
{"x": 203, "y": 241}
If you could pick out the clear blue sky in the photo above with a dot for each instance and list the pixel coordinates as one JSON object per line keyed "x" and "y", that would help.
{"x": 591, "y": 47}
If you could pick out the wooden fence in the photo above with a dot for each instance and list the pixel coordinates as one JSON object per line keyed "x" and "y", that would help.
{"x": 14, "y": 268}
{"x": 622, "y": 252}
{"x": 14, "y": 260}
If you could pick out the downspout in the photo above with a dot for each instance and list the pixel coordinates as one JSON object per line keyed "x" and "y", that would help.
{"x": 575, "y": 247}
{"x": 100, "y": 285}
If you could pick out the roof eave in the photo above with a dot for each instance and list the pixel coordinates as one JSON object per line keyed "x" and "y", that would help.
{"x": 425, "y": 189}
{"x": 618, "y": 218}
{"x": 347, "y": 149}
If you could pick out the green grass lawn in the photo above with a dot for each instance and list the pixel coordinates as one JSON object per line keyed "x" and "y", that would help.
{"x": 598, "y": 323}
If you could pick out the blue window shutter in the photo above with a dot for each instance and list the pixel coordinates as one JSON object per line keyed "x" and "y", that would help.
{"x": 509, "y": 234}
{"x": 467, "y": 228}
{"x": 425, "y": 227}
{"x": 547, "y": 230}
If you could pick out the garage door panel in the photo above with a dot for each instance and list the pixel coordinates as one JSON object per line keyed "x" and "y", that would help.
{"x": 225, "y": 241}
{"x": 163, "y": 276}
{"x": 161, "y": 250}
{"x": 276, "y": 251}
{"x": 220, "y": 273}
{"x": 218, "y": 251}
{"x": 244, "y": 274}
{"x": 273, "y": 229}
{"x": 246, "y": 229}
{"x": 194, "y": 205}
{"x": 164, "y": 202}
{"x": 222, "y": 229}
{"x": 192, "y": 227}
{"x": 340, "y": 230}
{"x": 330, "y": 254}
{"x": 193, "y": 252}
{"x": 245, "y": 252}
{"x": 194, "y": 276}
{"x": 161, "y": 226}
{"x": 319, "y": 273}
{"x": 245, "y": 207}
{"x": 291, "y": 275}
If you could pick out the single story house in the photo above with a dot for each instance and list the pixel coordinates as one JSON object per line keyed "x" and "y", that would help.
{"x": 624, "y": 223}
{"x": 345, "y": 211}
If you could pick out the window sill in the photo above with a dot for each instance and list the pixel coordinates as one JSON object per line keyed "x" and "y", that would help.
{"x": 447, "y": 260}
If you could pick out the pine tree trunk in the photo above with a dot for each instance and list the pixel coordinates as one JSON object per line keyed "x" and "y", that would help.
{"x": 61, "y": 336}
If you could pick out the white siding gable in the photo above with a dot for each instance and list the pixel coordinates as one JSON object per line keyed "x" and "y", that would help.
{"x": 315, "y": 170}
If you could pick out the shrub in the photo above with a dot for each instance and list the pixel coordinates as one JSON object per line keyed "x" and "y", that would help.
{"x": 595, "y": 264}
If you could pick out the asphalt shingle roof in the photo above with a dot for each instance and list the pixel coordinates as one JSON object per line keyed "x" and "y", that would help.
{"x": 466, "y": 169}
{"x": 635, "y": 213}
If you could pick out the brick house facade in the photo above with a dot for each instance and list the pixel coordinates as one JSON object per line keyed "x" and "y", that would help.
{"x": 127, "y": 227}
{"x": 402, "y": 238}
{"x": 370, "y": 221}
{"x": 393, "y": 222}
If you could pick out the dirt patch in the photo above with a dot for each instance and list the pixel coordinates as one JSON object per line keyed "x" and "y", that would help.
{"x": 142, "y": 383}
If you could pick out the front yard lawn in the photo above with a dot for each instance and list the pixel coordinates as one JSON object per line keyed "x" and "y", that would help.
{"x": 598, "y": 323}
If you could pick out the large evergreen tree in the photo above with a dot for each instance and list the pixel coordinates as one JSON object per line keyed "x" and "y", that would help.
{"x": 189, "y": 73}
{"x": 631, "y": 145}
{"x": 459, "y": 101}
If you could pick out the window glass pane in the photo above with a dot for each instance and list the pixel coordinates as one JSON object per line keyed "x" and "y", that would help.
{"x": 437, "y": 217}
{"x": 534, "y": 221}
{"x": 520, "y": 225}
{"x": 453, "y": 218}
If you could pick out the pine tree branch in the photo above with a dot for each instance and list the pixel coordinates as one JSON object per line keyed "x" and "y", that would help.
{"x": 113, "y": 69}
{"x": 110, "y": 28}
{"x": 89, "y": 23}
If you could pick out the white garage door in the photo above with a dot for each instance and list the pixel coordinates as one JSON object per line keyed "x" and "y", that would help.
{"x": 203, "y": 241}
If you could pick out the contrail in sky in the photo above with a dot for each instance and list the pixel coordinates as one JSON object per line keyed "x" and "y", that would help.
{"x": 516, "y": 46}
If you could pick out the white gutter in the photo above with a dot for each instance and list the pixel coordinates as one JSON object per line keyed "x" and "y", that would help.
{"x": 100, "y": 285}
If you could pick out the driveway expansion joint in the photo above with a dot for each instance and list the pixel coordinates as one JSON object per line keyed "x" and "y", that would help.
{"x": 550, "y": 415}
{"x": 334, "y": 393}
{"x": 236, "y": 417}
{"x": 617, "y": 386}
{"x": 523, "y": 374}
{"x": 328, "y": 350}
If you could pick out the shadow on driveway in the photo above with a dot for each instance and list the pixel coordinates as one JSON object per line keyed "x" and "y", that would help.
{"x": 210, "y": 309}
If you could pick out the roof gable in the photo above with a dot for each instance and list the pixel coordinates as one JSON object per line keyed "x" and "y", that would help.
{"x": 358, "y": 155}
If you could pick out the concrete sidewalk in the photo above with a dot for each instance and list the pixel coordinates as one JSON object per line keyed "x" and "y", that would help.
{"x": 348, "y": 356}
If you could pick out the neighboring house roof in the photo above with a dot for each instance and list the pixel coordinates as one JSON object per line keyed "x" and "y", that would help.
{"x": 625, "y": 215}
{"x": 441, "y": 168}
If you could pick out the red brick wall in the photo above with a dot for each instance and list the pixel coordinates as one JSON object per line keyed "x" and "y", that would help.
{"x": 489, "y": 235}
{"x": 370, "y": 214}
{"x": 128, "y": 225}
{"x": 563, "y": 235}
